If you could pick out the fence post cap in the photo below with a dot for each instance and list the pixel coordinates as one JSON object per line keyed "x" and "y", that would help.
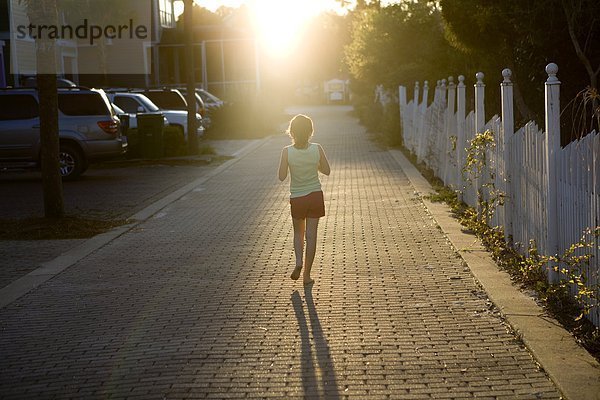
{"x": 461, "y": 79}
{"x": 450, "y": 81}
{"x": 507, "y": 74}
{"x": 552, "y": 70}
{"x": 479, "y": 77}
{"x": 416, "y": 84}
{"x": 426, "y": 84}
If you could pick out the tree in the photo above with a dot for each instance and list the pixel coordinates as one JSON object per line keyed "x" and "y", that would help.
{"x": 321, "y": 48}
{"x": 394, "y": 45}
{"x": 397, "y": 44}
{"x": 205, "y": 17}
{"x": 525, "y": 36}
{"x": 489, "y": 34}
{"x": 45, "y": 12}
{"x": 583, "y": 25}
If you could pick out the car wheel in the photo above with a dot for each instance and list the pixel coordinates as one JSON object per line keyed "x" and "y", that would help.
{"x": 72, "y": 163}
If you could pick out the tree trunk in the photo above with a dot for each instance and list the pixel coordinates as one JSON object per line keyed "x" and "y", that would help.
{"x": 571, "y": 13}
{"x": 522, "y": 107}
{"x": 45, "y": 11}
{"x": 189, "y": 73}
{"x": 50, "y": 145}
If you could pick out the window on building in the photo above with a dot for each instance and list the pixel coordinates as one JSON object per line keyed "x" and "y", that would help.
{"x": 167, "y": 18}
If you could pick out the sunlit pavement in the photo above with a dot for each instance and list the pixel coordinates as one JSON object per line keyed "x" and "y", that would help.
{"x": 196, "y": 302}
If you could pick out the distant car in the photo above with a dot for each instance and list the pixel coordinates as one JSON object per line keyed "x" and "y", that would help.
{"x": 169, "y": 99}
{"x": 89, "y": 129}
{"x": 200, "y": 107}
{"x": 210, "y": 100}
{"x": 132, "y": 117}
{"x": 174, "y": 99}
{"x": 137, "y": 101}
{"x": 60, "y": 82}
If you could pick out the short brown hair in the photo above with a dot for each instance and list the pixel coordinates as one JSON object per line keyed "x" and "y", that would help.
{"x": 300, "y": 130}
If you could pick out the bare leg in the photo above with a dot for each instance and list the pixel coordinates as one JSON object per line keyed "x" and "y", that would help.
{"x": 299, "y": 231}
{"x": 312, "y": 225}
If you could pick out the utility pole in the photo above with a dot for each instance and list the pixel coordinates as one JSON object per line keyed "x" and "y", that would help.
{"x": 188, "y": 23}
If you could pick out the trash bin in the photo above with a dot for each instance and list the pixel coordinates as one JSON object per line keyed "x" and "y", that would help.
{"x": 150, "y": 134}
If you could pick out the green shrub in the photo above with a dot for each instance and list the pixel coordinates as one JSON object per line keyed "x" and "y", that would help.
{"x": 390, "y": 125}
{"x": 381, "y": 120}
{"x": 368, "y": 112}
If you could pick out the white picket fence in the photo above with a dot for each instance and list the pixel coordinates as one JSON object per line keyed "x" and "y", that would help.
{"x": 551, "y": 194}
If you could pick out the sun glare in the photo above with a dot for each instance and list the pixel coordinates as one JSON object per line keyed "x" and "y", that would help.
{"x": 279, "y": 22}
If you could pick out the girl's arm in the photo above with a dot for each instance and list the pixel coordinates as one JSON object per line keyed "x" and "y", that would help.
{"x": 283, "y": 165}
{"x": 323, "y": 163}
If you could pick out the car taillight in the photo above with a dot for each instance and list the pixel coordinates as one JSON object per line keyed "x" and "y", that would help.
{"x": 111, "y": 127}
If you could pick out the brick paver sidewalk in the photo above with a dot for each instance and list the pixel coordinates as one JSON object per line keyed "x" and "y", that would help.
{"x": 197, "y": 301}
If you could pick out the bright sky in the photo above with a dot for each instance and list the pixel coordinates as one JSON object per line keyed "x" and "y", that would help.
{"x": 278, "y": 22}
{"x": 214, "y": 4}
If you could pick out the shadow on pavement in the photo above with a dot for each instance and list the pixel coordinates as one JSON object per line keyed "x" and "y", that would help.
{"x": 329, "y": 389}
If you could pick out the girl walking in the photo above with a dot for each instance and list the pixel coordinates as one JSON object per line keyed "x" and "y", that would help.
{"x": 304, "y": 160}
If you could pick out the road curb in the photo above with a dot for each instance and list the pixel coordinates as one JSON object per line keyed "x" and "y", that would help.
{"x": 49, "y": 269}
{"x": 573, "y": 370}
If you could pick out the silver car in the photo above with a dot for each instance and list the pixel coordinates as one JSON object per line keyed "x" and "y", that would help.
{"x": 88, "y": 129}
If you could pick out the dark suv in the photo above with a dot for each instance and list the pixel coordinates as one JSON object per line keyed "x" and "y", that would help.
{"x": 89, "y": 130}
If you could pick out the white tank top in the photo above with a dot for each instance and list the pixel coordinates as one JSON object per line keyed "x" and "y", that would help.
{"x": 304, "y": 170}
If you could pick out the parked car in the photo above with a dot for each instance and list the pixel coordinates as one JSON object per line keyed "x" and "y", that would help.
{"x": 88, "y": 129}
{"x": 134, "y": 101}
{"x": 131, "y": 116}
{"x": 211, "y": 101}
{"x": 200, "y": 106}
{"x": 174, "y": 99}
{"x": 168, "y": 99}
{"x": 60, "y": 82}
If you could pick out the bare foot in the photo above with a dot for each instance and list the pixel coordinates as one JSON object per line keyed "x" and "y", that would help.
{"x": 296, "y": 274}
